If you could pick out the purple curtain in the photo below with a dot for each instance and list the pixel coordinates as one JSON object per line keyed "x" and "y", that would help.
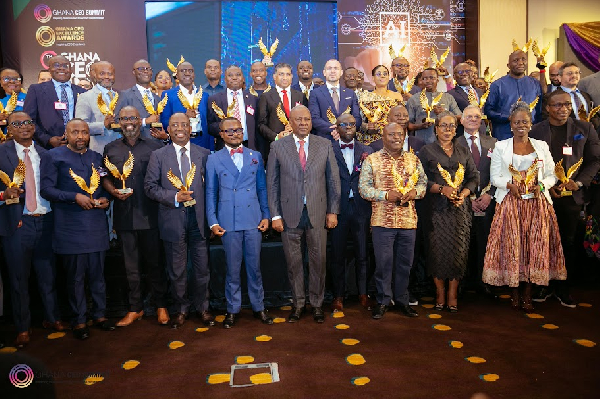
{"x": 585, "y": 51}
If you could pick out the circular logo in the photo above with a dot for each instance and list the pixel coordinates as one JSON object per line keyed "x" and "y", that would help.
{"x": 45, "y": 36}
{"x": 21, "y": 376}
{"x": 42, "y": 13}
{"x": 46, "y": 55}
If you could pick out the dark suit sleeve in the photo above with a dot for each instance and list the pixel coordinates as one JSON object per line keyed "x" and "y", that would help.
{"x": 212, "y": 191}
{"x": 152, "y": 185}
{"x": 30, "y": 106}
{"x": 471, "y": 173}
{"x": 263, "y": 119}
{"x": 334, "y": 189}
{"x": 591, "y": 155}
{"x": 125, "y": 99}
{"x": 49, "y": 179}
{"x": 320, "y": 125}
{"x": 356, "y": 111}
{"x": 273, "y": 183}
{"x": 261, "y": 189}
{"x": 213, "y": 119}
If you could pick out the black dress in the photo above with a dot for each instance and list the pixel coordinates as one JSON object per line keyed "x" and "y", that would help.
{"x": 447, "y": 227}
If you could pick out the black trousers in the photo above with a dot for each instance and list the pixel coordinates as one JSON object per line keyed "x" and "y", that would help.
{"x": 480, "y": 231}
{"x": 567, "y": 215}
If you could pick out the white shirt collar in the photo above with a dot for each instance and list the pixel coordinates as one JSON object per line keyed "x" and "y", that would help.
{"x": 231, "y": 148}
{"x": 178, "y": 148}
{"x": 468, "y": 135}
{"x": 280, "y": 89}
{"x": 142, "y": 89}
{"x": 230, "y": 92}
{"x": 330, "y": 86}
{"x": 297, "y": 140}
{"x": 186, "y": 92}
{"x": 20, "y": 148}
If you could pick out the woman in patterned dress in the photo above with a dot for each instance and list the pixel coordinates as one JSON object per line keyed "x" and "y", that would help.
{"x": 524, "y": 245}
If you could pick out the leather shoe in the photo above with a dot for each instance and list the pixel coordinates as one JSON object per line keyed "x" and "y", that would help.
{"x": 296, "y": 314}
{"x": 365, "y": 301}
{"x": 22, "y": 339}
{"x": 407, "y": 310}
{"x": 163, "y": 316}
{"x": 338, "y": 304}
{"x": 81, "y": 332}
{"x": 207, "y": 318}
{"x": 378, "y": 311}
{"x": 263, "y": 316}
{"x": 104, "y": 324}
{"x": 318, "y": 315}
{"x": 229, "y": 320}
{"x": 56, "y": 326}
{"x": 129, "y": 318}
{"x": 179, "y": 320}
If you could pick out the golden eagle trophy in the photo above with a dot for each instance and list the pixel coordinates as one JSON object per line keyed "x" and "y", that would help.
{"x": 268, "y": 54}
{"x": 17, "y": 181}
{"x": 459, "y": 176}
{"x": 404, "y": 185}
{"x": 473, "y": 100}
{"x": 559, "y": 171}
{"x": 94, "y": 183}
{"x": 10, "y": 105}
{"x": 427, "y": 107}
{"x": 172, "y": 67}
{"x": 281, "y": 115}
{"x": 540, "y": 53}
{"x": 109, "y": 109}
{"x": 159, "y": 109}
{"x": 487, "y": 76}
{"x": 176, "y": 182}
{"x": 331, "y": 116}
{"x": 193, "y": 106}
{"x": 525, "y": 48}
{"x": 437, "y": 63}
{"x": 219, "y": 111}
{"x": 127, "y": 169}
{"x": 529, "y": 177}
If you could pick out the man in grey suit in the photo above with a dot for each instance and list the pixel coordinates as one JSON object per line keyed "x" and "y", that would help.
{"x": 304, "y": 198}
{"x": 134, "y": 97}
{"x": 591, "y": 85}
{"x": 88, "y": 110}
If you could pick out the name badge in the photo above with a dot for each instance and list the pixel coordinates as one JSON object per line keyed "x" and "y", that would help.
{"x": 567, "y": 150}
{"x": 20, "y": 103}
{"x": 60, "y": 106}
{"x": 489, "y": 154}
{"x": 250, "y": 110}
{"x": 298, "y": 103}
{"x": 540, "y": 164}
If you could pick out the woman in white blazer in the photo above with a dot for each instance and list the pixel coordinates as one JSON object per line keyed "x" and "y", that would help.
{"x": 524, "y": 245}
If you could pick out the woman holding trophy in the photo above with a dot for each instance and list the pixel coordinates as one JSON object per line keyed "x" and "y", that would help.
{"x": 524, "y": 245}
{"x": 375, "y": 105}
{"x": 452, "y": 177}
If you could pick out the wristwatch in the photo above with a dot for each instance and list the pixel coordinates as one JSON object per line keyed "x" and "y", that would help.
{"x": 579, "y": 184}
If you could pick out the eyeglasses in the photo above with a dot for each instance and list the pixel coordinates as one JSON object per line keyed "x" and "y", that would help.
{"x": 472, "y": 117}
{"x": 463, "y": 72}
{"x": 401, "y": 65}
{"x": 19, "y": 124}
{"x": 232, "y": 132}
{"x": 129, "y": 118}
{"x": 572, "y": 73}
{"x": 558, "y": 106}
{"x": 445, "y": 126}
{"x": 144, "y": 69}
{"x": 7, "y": 79}
{"x": 56, "y": 65}
{"x": 349, "y": 124}
{"x": 382, "y": 74}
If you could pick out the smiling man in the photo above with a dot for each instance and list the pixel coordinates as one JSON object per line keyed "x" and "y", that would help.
{"x": 305, "y": 78}
{"x": 258, "y": 73}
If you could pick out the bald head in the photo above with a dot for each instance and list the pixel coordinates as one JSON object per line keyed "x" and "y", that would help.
{"x": 300, "y": 121}
{"x": 554, "y": 72}
{"x": 105, "y": 74}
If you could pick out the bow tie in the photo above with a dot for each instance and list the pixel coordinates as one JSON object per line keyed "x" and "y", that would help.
{"x": 351, "y": 146}
{"x": 236, "y": 151}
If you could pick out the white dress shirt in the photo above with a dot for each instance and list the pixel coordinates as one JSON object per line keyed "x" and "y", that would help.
{"x": 297, "y": 142}
{"x": 237, "y": 158}
{"x": 304, "y": 88}
{"x": 240, "y": 99}
{"x": 477, "y": 141}
{"x": 349, "y": 158}
{"x": 43, "y": 206}
{"x": 289, "y": 95}
{"x": 178, "y": 153}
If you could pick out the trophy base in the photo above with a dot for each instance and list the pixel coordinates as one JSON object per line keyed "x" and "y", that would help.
{"x": 566, "y": 193}
{"x": 189, "y": 203}
{"x": 156, "y": 125}
{"x": 483, "y": 117}
{"x": 115, "y": 126}
{"x": 11, "y": 201}
{"x": 478, "y": 214}
{"x": 428, "y": 120}
{"x": 125, "y": 190}
{"x": 527, "y": 196}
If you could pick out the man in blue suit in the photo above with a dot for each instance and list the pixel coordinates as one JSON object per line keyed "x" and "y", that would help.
{"x": 199, "y": 127}
{"x": 181, "y": 221}
{"x": 52, "y": 104}
{"x": 355, "y": 213}
{"x": 238, "y": 211}
{"x": 331, "y": 96}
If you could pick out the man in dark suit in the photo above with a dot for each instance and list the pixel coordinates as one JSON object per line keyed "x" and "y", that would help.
{"x": 136, "y": 216}
{"x": 355, "y": 214}
{"x": 400, "y": 80}
{"x": 80, "y": 227}
{"x": 483, "y": 205}
{"x": 52, "y": 104}
{"x": 304, "y": 198}
{"x": 27, "y": 229}
{"x": 186, "y": 76}
{"x": 142, "y": 71}
{"x": 181, "y": 220}
{"x": 238, "y": 211}
{"x": 399, "y": 115}
{"x": 244, "y": 108}
{"x": 569, "y": 78}
{"x": 270, "y": 126}
{"x": 463, "y": 73}
{"x": 258, "y": 73}
{"x": 305, "y": 83}
{"x": 331, "y": 97}
{"x": 570, "y": 140}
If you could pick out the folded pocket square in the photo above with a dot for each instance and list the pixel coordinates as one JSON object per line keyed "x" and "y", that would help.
{"x": 578, "y": 137}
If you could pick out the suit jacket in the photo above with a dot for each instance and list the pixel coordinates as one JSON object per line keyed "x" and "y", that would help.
{"x": 87, "y": 109}
{"x": 591, "y": 84}
{"x": 414, "y": 90}
{"x": 296, "y": 86}
{"x": 174, "y": 106}
{"x": 171, "y": 218}
{"x": 349, "y": 181}
{"x": 236, "y": 200}
{"x": 269, "y": 125}
{"x": 220, "y": 99}
{"x": 10, "y": 215}
{"x": 288, "y": 183}
{"x": 39, "y": 105}
{"x": 320, "y": 101}
{"x": 589, "y": 104}
{"x": 487, "y": 147}
{"x": 413, "y": 142}
{"x": 134, "y": 98}
{"x": 587, "y": 146}
{"x": 502, "y": 157}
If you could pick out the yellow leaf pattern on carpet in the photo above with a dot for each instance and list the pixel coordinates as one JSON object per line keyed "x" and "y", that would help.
{"x": 585, "y": 342}
{"x": 201, "y": 329}
{"x": 220, "y": 318}
{"x": 244, "y": 359}
{"x": 550, "y": 326}
{"x": 279, "y": 320}
{"x": 349, "y": 341}
{"x": 434, "y": 316}
{"x": 456, "y": 344}
{"x": 475, "y": 359}
{"x": 441, "y": 327}
{"x": 489, "y": 377}
{"x": 361, "y": 380}
{"x": 56, "y": 335}
{"x": 262, "y": 378}
{"x": 355, "y": 359}
{"x": 342, "y": 326}
{"x": 263, "y": 338}
{"x": 176, "y": 344}
{"x": 534, "y": 315}
{"x": 338, "y": 315}
{"x": 217, "y": 378}
{"x": 130, "y": 364}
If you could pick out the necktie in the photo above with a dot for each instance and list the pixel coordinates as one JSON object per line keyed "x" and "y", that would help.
{"x": 150, "y": 96}
{"x": 351, "y": 146}
{"x": 65, "y": 100}
{"x": 286, "y": 103}
{"x": 236, "y": 151}
{"x": 185, "y": 164}
{"x": 475, "y": 151}
{"x": 236, "y": 107}
{"x": 473, "y": 93}
{"x": 30, "y": 190}
{"x": 336, "y": 99}
{"x": 302, "y": 154}
{"x": 578, "y": 103}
